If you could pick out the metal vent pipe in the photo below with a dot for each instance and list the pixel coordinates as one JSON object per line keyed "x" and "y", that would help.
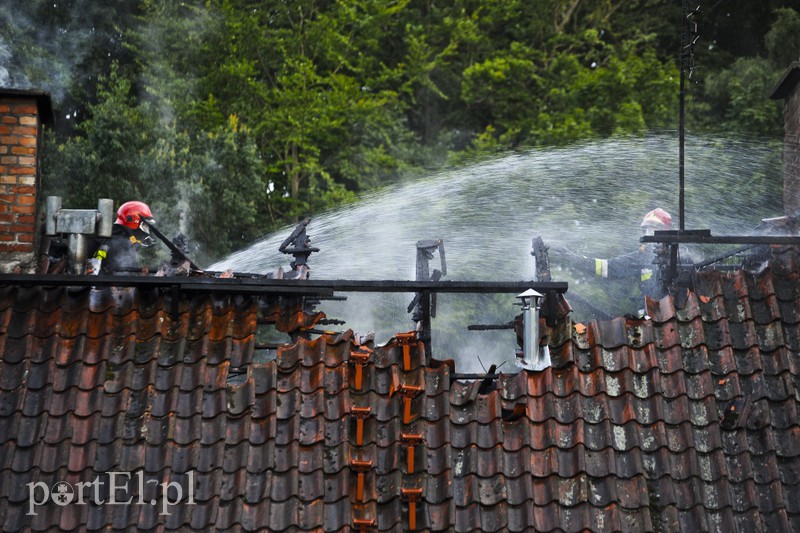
{"x": 53, "y": 207}
{"x": 105, "y": 217}
{"x": 533, "y": 358}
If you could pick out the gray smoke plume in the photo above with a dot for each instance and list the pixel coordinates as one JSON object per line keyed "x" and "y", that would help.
{"x": 43, "y": 44}
{"x": 5, "y": 61}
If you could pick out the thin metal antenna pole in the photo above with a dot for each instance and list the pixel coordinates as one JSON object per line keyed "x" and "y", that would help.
{"x": 682, "y": 111}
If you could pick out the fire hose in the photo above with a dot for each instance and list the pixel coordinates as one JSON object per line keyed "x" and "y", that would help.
{"x": 172, "y": 246}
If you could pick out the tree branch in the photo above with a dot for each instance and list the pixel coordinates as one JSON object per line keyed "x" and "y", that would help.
{"x": 567, "y": 15}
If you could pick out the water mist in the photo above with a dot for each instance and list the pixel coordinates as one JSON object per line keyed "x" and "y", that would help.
{"x": 588, "y": 197}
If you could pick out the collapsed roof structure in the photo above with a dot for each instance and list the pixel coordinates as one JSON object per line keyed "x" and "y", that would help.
{"x": 686, "y": 421}
{"x": 143, "y": 405}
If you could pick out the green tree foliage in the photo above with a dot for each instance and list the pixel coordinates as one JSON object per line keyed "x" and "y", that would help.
{"x": 210, "y": 186}
{"x": 224, "y": 190}
{"x": 783, "y": 38}
{"x": 107, "y": 157}
{"x": 738, "y": 96}
{"x": 734, "y": 96}
{"x": 599, "y": 92}
{"x": 233, "y": 117}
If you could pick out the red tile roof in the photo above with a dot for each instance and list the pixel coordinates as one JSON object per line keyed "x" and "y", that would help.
{"x": 686, "y": 421}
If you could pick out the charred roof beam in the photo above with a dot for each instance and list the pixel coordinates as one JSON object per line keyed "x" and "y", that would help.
{"x": 250, "y": 285}
{"x": 705, "y": 237}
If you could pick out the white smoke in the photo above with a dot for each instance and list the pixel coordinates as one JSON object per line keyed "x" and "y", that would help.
{"x": 5, "y": 62}
{"x": 42, "y": 45}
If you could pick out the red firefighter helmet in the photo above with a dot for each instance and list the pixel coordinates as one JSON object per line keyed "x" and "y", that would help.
{"x": 657, "y": 219}
{"x": 131, "y": 214}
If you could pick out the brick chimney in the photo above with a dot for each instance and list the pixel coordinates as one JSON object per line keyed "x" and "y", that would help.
{"x": 788, "y": 90}
{"x": 23, "y": 113}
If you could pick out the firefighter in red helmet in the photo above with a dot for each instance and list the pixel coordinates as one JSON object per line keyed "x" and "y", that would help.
{"x": 119, "y": 253}
{"x": 636, "y": 265}
{"x": 657, "y": 219}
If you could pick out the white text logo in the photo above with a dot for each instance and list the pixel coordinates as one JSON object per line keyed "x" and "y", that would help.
{"x": 111, "y": 489}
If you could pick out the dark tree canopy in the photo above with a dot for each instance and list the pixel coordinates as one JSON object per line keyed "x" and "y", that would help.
{"x": 233, "y": 117}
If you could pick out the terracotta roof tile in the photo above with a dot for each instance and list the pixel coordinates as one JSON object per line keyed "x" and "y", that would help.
{"x": 687, "y": 421}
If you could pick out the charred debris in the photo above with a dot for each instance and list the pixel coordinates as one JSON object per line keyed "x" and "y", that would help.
{"x": 750, "y": 252}
{"x": 293, "y": 293}
{"x": 289, "y": 298}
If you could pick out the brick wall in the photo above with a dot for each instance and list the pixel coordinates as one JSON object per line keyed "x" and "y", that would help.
{"x": 20, "y": 135}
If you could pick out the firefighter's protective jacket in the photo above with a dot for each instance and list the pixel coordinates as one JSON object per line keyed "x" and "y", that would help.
{"x": 633, "y": 265}
{"x": 636, "y": 265}
{"x": 118, "y": 254}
